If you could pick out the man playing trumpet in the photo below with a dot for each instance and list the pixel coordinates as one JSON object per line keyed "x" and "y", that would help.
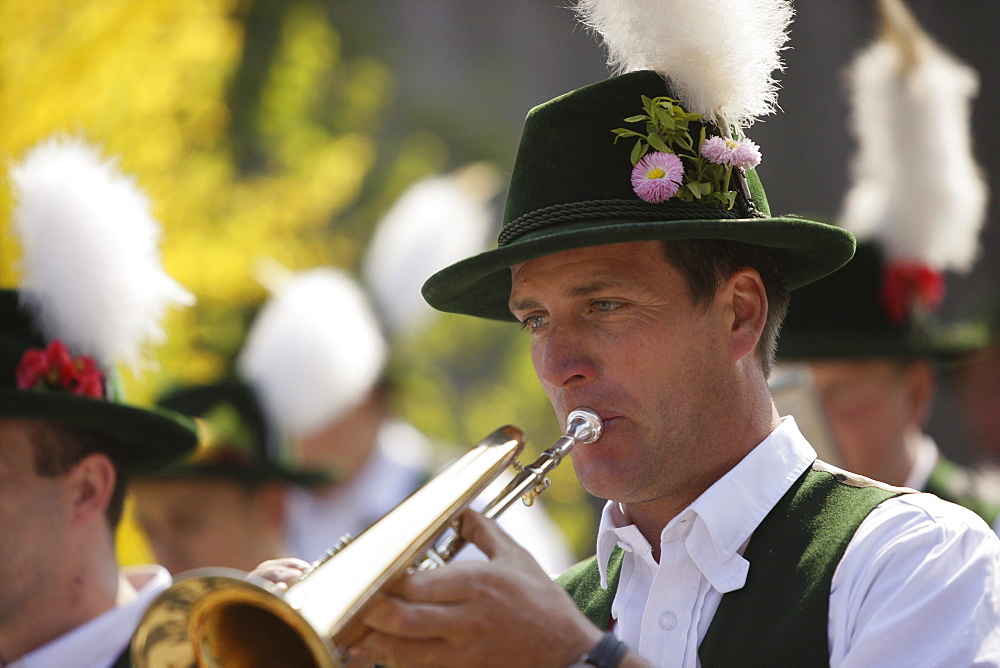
{"x": 639, "y": 254}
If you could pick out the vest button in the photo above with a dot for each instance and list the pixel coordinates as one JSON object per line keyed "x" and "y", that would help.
{"x": 668, "y": 620}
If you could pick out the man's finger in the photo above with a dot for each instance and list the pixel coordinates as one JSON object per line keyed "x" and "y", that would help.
{"x": 446, "y": 585}
{"x": 280, "y": 571}
{"x": 485, "y": 534}
{"x": 403, "y": 619}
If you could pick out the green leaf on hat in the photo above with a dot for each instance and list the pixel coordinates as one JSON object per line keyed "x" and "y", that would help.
{"x": 639, "y": 150}
{"x": 657, "y": 142}
{"x": 622, "y": 132}
{"x": 664, "y": 119}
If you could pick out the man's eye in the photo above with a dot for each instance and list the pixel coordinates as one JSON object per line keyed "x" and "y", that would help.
{"x": 606, "y": 305}
{"x": 532, "y": 322}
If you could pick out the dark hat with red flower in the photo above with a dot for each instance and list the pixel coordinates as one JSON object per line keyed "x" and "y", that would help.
{"x": 657, "y": 153}
{"x": 916, "y": 205}
{"x": 870, "y": 309}
{"x": 235, "y": 441}
{"x": 92, "y": 293}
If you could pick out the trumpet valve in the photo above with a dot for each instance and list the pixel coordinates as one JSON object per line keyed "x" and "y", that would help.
{"x": 529, "y": 497}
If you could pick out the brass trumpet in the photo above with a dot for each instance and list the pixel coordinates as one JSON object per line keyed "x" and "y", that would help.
{"x": 221, "y": 617}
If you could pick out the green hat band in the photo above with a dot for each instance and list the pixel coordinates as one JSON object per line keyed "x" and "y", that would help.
{"x": 608, "y": 211}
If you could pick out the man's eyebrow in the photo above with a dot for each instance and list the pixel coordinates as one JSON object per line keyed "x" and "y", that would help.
{"x": 576, "y": 291}
{"x": 592, "y": 287}
{"x": 522, "y": 305}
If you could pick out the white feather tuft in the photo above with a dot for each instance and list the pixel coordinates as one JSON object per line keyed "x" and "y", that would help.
{"x": 718, "y": 56}
{"x": 916, "y": 186}
{"x": 437, "y": 222}
{"x": 91, "y": 270}
{"x": 313, "y": 352}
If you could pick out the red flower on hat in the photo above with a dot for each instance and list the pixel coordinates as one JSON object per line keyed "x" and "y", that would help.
{"x": 54, "y": 368}
{"x": 909, "y": 285}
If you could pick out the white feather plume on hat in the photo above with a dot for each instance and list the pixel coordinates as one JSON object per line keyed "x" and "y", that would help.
{"x": 91, "y": 269}
{"x": 718, "y": 55}
{"x": 314, "y": 351}
{"x": 917, "y": 188}
{"x": 437, "y": 221}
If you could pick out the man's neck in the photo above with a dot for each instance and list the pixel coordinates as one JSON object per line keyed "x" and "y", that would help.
{"x": 651, "y": 517}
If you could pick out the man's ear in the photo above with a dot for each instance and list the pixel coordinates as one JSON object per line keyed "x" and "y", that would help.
{"x": 93, "y": 479}
{"x": 746, "y": 301}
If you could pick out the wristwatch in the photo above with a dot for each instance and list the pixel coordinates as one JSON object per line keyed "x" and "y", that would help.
{"x": 608, "y": 653}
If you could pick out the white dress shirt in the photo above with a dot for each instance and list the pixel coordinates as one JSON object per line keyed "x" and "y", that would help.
{"x": 99, "y": 642}
{"x": 919, "y": 583}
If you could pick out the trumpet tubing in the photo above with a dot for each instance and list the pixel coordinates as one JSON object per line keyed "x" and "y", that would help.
{"x": 223, "y": 618}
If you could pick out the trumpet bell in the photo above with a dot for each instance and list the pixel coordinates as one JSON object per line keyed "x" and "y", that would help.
{"x": 218, "y": 617}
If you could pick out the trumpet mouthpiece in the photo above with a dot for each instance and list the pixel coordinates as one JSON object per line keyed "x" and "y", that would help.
{"x": 584, "y": 425}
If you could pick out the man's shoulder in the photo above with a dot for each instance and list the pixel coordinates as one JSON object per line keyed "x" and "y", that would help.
{"x": 976, "y": 488}
{"x": 923, "y": 511}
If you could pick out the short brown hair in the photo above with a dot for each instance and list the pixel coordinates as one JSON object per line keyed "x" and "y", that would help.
{"x": 707, "y": 263}
{"x": 58, "y": 448}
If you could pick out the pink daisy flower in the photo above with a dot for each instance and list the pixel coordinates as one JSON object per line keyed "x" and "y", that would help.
{"x": 657, "y": 177}
{"x": 730, "y": 152}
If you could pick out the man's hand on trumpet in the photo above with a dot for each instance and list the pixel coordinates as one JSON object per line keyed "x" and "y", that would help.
{"x": 281, "y": 571}
{"x": 504, "y": 612}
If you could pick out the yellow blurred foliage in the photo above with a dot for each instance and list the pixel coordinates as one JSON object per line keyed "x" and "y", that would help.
{"x": 148, "y": 81}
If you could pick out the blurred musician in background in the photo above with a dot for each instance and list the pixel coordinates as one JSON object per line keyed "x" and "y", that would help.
{"x": 871, "y": 332}
{"x": 979, "y": 388}
{"x": 224, "y": 505}
{"x": 67, "y": 442}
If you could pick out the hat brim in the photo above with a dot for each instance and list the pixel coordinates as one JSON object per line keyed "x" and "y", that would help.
{"x": 480, "y": 285}
{"x": 150, "y": 438}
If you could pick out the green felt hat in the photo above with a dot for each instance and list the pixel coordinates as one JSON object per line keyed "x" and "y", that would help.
{"x": 146, "y": 439}
{"x": 234, "y": 440}
{"x": 846, "y": 316}
{"x": 571, "y": 188}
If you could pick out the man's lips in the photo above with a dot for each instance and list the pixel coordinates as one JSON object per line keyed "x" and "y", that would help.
{"x": 610, "y": 420}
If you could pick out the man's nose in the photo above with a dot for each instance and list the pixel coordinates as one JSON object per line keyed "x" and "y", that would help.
{"x": 564, "y": 359}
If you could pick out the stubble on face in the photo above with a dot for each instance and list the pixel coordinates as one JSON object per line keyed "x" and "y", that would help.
{"x": 617, "y": 331}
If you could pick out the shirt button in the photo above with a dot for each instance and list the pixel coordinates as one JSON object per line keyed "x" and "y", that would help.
{"x": 668, "y": 620}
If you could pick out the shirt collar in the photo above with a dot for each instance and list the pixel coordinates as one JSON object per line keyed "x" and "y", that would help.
{"x": 100, "y": 641}
{"x": 727, "y": 512}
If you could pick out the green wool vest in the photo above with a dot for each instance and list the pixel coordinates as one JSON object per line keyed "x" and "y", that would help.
{"x": 779, "y": 617}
